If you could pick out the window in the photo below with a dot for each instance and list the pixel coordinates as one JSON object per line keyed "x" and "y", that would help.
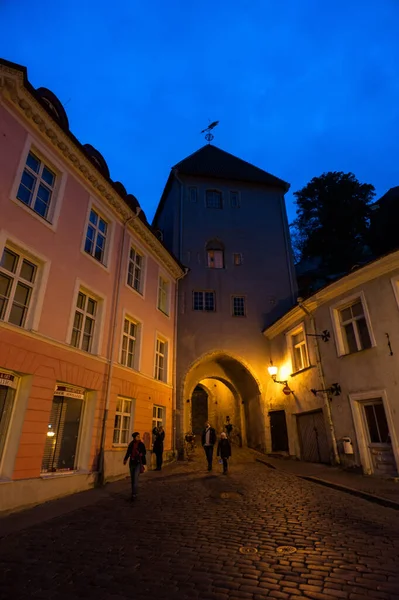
{"x": 63, "y": 430}
{"x": 377, "y": 424}
{"x": 163, "y": 295}
{"x": 213, "y": 199}
{"x": 204, "y": 301}
{"x": 239, "y": 309}
{"x": 237, "y": 259}
{"x": 84, "y": 322}
{"x": 215, "y": 254}
{"x": 37, "y": 185}
{"x": 161, "y": 360}
{"x": 300, "y": 359}
{"x": 234, "y": 199}
{"x": 123, "y": 415}
{"x": 96, "y": 236}
{"x": 192, "y": 193}
{"x": 129, "y": 343}
{"x": 158, "y": 416}
{"x": 7, "y": 395}
{"x": 354, "y": 327}
{"x": 135, "y": 270}
{"x": 215, "y": 259}
{"x": 17, "y": 282}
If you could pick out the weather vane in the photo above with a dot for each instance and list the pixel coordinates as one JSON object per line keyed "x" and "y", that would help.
{"x": 208, "y": 135}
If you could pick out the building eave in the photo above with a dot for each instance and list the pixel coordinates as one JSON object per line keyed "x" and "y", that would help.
{"x": 345, "y": 284}
{"x": 19, "y": 94}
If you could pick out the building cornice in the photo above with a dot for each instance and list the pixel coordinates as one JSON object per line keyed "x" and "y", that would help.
{"x": 13, "y": 90}
{"x": 346, "y": 284}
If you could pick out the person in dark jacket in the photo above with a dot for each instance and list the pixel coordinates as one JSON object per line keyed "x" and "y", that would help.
{"x": 136, "y": 454}
{"x": 224, "y": 451}
{"x": 159, "y": 434}
{"x": 208, "y": 441}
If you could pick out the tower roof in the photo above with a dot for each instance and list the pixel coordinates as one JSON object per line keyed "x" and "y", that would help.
{"x": 211, "y": 161}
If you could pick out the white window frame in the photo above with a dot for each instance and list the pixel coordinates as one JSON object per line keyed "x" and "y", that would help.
{"x": 291, "y": 348}
{"x": 357, "y": 400}
{"x": 43, "y": 269}
{"x": 395, "y": 286}
{"x": 138, "y": 251}
{"x": 338, "y": 330}
{"x": 238, "y": 205}
{"x": 221, "y": 199}
{"x": 46, "y": 156}
{"x": 161, "y": 338}
{"x": 109, "y": 241}
{"x": 203, "y": 292}
{"x": 122, "y": 414}
{"x": 81, "y": 286}
{"x": 158, "y": 420}
{"x": 137, "y": 352}
{"x": 11, "y": 384}
{"x": 163, "y": 278}
{"x": 243, "y": 296}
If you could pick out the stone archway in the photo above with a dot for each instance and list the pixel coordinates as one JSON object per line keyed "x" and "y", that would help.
{"x": 232, "y": 390}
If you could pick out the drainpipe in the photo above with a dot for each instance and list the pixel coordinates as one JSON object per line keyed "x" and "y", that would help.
{"x": 288, "y": 249}
{"x": 101, "y": 462}
{"x": 174, "y": 376}
{"x": 323, "y": 382}
{"x": 175, "y": 172}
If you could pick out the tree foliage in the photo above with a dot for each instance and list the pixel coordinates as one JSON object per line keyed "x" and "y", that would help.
{"x": 332, "y": 221}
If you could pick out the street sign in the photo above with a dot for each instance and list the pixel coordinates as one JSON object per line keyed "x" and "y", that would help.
{"x": 286, "y": 390}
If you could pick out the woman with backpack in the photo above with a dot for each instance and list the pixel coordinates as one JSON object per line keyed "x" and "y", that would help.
{"x": 136, "y": 454}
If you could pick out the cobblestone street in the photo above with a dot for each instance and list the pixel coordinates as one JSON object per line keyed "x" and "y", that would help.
{"x": 181, "y": 539}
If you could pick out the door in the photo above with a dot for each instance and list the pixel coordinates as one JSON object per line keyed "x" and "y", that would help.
{"x": 278, "y": 429}
{"x": 378, "y": 437}
{"x": 199, "y": 408}
{"x": 313, "y": 437}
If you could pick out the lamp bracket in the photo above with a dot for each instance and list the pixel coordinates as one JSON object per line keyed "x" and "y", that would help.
{"x": 334, "y": 390}
{"x": 324, "y": 335}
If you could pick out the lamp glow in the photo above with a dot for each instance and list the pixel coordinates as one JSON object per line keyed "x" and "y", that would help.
{"x": 272, "y": 370}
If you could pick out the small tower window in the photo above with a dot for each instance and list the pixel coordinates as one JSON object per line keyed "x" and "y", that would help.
{"x": 234, "y": 199}
{"x": 214, "y": 199}
{"x": 215, "y": 254}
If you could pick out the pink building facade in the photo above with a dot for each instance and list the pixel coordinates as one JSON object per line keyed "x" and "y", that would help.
{"x": 87, "y": 308}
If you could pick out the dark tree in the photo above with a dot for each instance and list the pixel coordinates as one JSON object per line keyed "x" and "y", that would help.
{"x": 332, "y": 221}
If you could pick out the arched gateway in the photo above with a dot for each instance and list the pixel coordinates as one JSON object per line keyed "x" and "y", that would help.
{"x": 218, "y": 385}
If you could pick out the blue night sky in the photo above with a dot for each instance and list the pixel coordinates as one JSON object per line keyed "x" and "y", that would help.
{"x": 299, "y": 86}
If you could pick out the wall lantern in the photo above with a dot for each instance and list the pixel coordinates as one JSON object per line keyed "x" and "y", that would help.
{"x": 273, "y": 374}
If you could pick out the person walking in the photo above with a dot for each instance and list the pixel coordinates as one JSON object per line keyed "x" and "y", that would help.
{"x": 228, "y": 427}
{"x": 136, "y": 454}
{"x": 208, "y": 442}
{"x": 159, "y": 434}
{"x": 224, "y": 451}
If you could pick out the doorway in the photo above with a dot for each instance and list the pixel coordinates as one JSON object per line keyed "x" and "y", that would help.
{"x": 313, "y": 437}
{"x": 378, "y": 438}
{"x": 199, "y": 409}
{"x": 278, "y": 429}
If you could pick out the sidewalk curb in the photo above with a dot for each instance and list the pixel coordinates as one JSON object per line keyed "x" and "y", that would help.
{"x": 336, "y": 486}
{"x": 343, "y": 488}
